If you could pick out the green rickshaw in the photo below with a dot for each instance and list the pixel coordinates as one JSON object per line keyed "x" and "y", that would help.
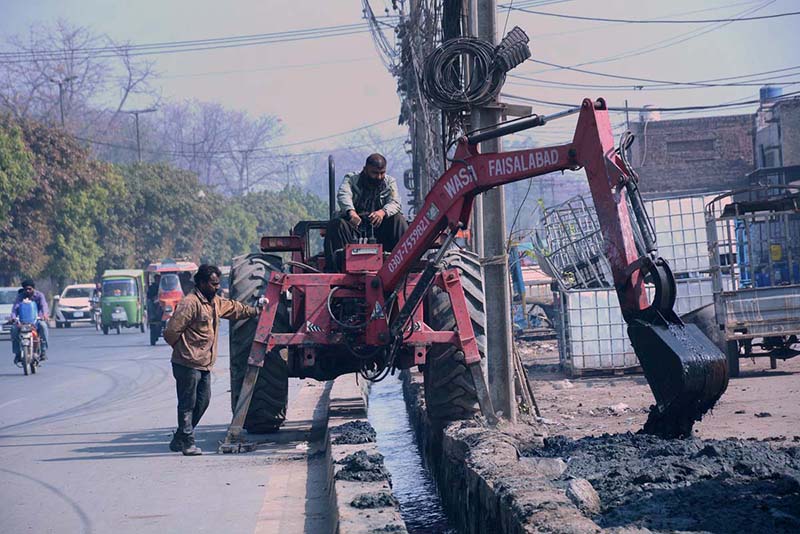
{"x": 123, "y": 301}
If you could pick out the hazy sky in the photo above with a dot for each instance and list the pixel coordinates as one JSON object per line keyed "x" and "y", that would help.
{"x": 324, "y": 86}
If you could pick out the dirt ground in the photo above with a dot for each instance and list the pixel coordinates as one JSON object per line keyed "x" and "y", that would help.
{"x": 739, "y": 472}
{"x": 761, "y": 404}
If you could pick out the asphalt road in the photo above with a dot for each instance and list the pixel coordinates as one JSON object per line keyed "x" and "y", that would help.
{"x": 83, "y": 444}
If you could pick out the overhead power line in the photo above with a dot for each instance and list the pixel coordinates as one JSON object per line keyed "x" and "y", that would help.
{"x": 188, "y": 154}
{"x": 170, "y": 47}
{"x": 751, "y": 80}
{"x": 655, "y": 21}
{"x": 179, "y": 154}
{"x": 661, "y": 109}
{"x": 672, "y": 41}
{"x": 705, "y": 83}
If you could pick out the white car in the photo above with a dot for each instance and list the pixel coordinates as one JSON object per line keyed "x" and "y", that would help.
{"x": 7, "y": 297}
{"x": 73, "y": 305}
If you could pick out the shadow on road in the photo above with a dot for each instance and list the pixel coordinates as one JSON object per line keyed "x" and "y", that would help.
{"x": 141, "y": 444}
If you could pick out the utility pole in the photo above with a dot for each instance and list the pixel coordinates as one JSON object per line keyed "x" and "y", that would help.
{"x": 136, "y": 113}
{"x": 496, "y": 281}
{"x": 471, "y": 8}
{"x": 61, "y": 82}
{"x": 627, "y": 119}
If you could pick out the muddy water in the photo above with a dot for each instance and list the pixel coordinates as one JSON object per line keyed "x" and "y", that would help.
{"x": 411, "y": 483}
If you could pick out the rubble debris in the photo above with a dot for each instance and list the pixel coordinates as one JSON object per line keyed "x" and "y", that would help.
{"x": 362, "y": 467}
{"x": 353, "y": 433}
{"x": 394, "y": 527}
{"x": 763, "y": 414}
{"x": 377, "y": 499}
{"x": 619, "y": 409}
{"x": 652, "y": 483}
{"x": 563, "y": 384}
{"x": 582, "y": 493}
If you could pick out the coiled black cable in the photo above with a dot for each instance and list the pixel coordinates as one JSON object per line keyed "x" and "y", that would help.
{"x": 442, "y": 82}
{"x": 451, "y": 89}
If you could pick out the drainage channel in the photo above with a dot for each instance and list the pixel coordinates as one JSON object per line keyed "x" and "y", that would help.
{"x": 412, "y": 484}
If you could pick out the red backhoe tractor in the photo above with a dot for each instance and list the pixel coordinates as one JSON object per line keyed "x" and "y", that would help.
{"x": 423, "y": 305}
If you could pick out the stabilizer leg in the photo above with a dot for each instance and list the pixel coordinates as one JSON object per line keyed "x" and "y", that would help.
{"x": 233, "y": 443}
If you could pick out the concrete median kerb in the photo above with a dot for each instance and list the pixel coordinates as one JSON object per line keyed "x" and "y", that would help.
{"x": 491, "y": 487}
{"x": 362, "y": 487}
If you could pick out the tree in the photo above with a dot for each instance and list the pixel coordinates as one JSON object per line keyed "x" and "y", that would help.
{"x": 74, "y": 67}
{"x": 53, "y": 228}
{"x": 16, "y": 170}
{"x": 232, "y": 233}
{"x": 277, "y": 212}
{"x": 167, "y": 211}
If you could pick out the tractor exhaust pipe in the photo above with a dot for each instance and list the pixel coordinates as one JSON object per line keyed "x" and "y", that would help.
{"x": 331, "y": 186}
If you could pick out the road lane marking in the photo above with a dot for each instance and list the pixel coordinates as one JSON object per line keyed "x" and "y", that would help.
{"x": 10, "y": 402}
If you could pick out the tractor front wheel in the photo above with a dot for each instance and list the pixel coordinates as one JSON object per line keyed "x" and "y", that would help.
{"x": 267, "y": 410}
{"x": 449, "y": 388}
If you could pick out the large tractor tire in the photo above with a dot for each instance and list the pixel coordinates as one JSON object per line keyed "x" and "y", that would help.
{"x": 268, "y": 406}
{"x": 449, "y": 389}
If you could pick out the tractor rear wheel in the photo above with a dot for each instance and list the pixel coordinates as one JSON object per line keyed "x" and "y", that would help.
{"x": 449, "y": 389}
{"x": 268, "y": 406}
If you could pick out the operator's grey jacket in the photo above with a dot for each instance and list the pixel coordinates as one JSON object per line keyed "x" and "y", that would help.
{"x": 350, "y": 190}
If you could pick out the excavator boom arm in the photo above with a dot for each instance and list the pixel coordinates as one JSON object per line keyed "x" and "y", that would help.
{"x": 448, "y": 205}
{"x": 686, "y": 372}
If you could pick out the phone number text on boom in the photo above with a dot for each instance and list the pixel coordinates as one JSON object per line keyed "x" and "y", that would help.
{"x": 408, "y": 245}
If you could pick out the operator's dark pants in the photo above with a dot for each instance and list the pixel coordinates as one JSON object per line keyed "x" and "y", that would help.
{"x": 194, "y": 394}
{"x": 341, "y": 232}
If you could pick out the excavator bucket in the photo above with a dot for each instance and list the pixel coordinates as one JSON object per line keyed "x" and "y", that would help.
{"x": 686, "y": 372}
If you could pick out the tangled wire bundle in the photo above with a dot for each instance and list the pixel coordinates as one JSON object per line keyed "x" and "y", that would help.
{"x": 442, "y": 79}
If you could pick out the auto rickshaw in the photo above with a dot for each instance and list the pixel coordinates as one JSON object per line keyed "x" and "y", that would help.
{"x": 167, "y": 283}
{"x": 123, "y": 303}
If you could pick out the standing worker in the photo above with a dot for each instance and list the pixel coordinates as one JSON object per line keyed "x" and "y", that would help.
{"x": 371, "y": 192}
{"x": 192, "y": 333}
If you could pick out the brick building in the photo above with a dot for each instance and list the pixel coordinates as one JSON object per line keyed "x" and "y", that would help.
{"x": 698, "y": 155}
{"x": 778, "y": 133}
{"x": 709, "y": 154}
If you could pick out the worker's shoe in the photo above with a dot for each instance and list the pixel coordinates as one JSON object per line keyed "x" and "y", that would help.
{"x": 42, "y": 356}
{"x": 189, "y": 448}
{"x": 177, "y": 442}
{"x": 17, "y": 359}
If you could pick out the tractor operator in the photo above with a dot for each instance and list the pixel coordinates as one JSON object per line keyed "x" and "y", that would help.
{"x": 371, "y": 192}
{"x": 192, "y": 332}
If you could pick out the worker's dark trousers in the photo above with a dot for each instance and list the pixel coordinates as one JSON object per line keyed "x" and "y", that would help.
{"x": 341, "y": 232}
{"x": 194, "y": 394}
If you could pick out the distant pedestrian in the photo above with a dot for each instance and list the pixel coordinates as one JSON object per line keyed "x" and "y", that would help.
{"x": 192, "y": 332}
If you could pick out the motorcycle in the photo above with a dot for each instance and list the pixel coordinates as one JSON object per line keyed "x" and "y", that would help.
{"x": 30, "y": 348}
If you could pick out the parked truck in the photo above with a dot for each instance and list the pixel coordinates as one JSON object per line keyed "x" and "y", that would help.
{"x": 754, "y": 244}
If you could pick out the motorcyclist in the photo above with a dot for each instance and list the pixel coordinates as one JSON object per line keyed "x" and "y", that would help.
{"x": 29, "y": 292}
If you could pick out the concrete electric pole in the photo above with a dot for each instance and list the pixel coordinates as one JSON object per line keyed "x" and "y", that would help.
{"x": 136, "y": 113}
{"x": 61, "y": 82}
{"x": 498, "y": 308}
